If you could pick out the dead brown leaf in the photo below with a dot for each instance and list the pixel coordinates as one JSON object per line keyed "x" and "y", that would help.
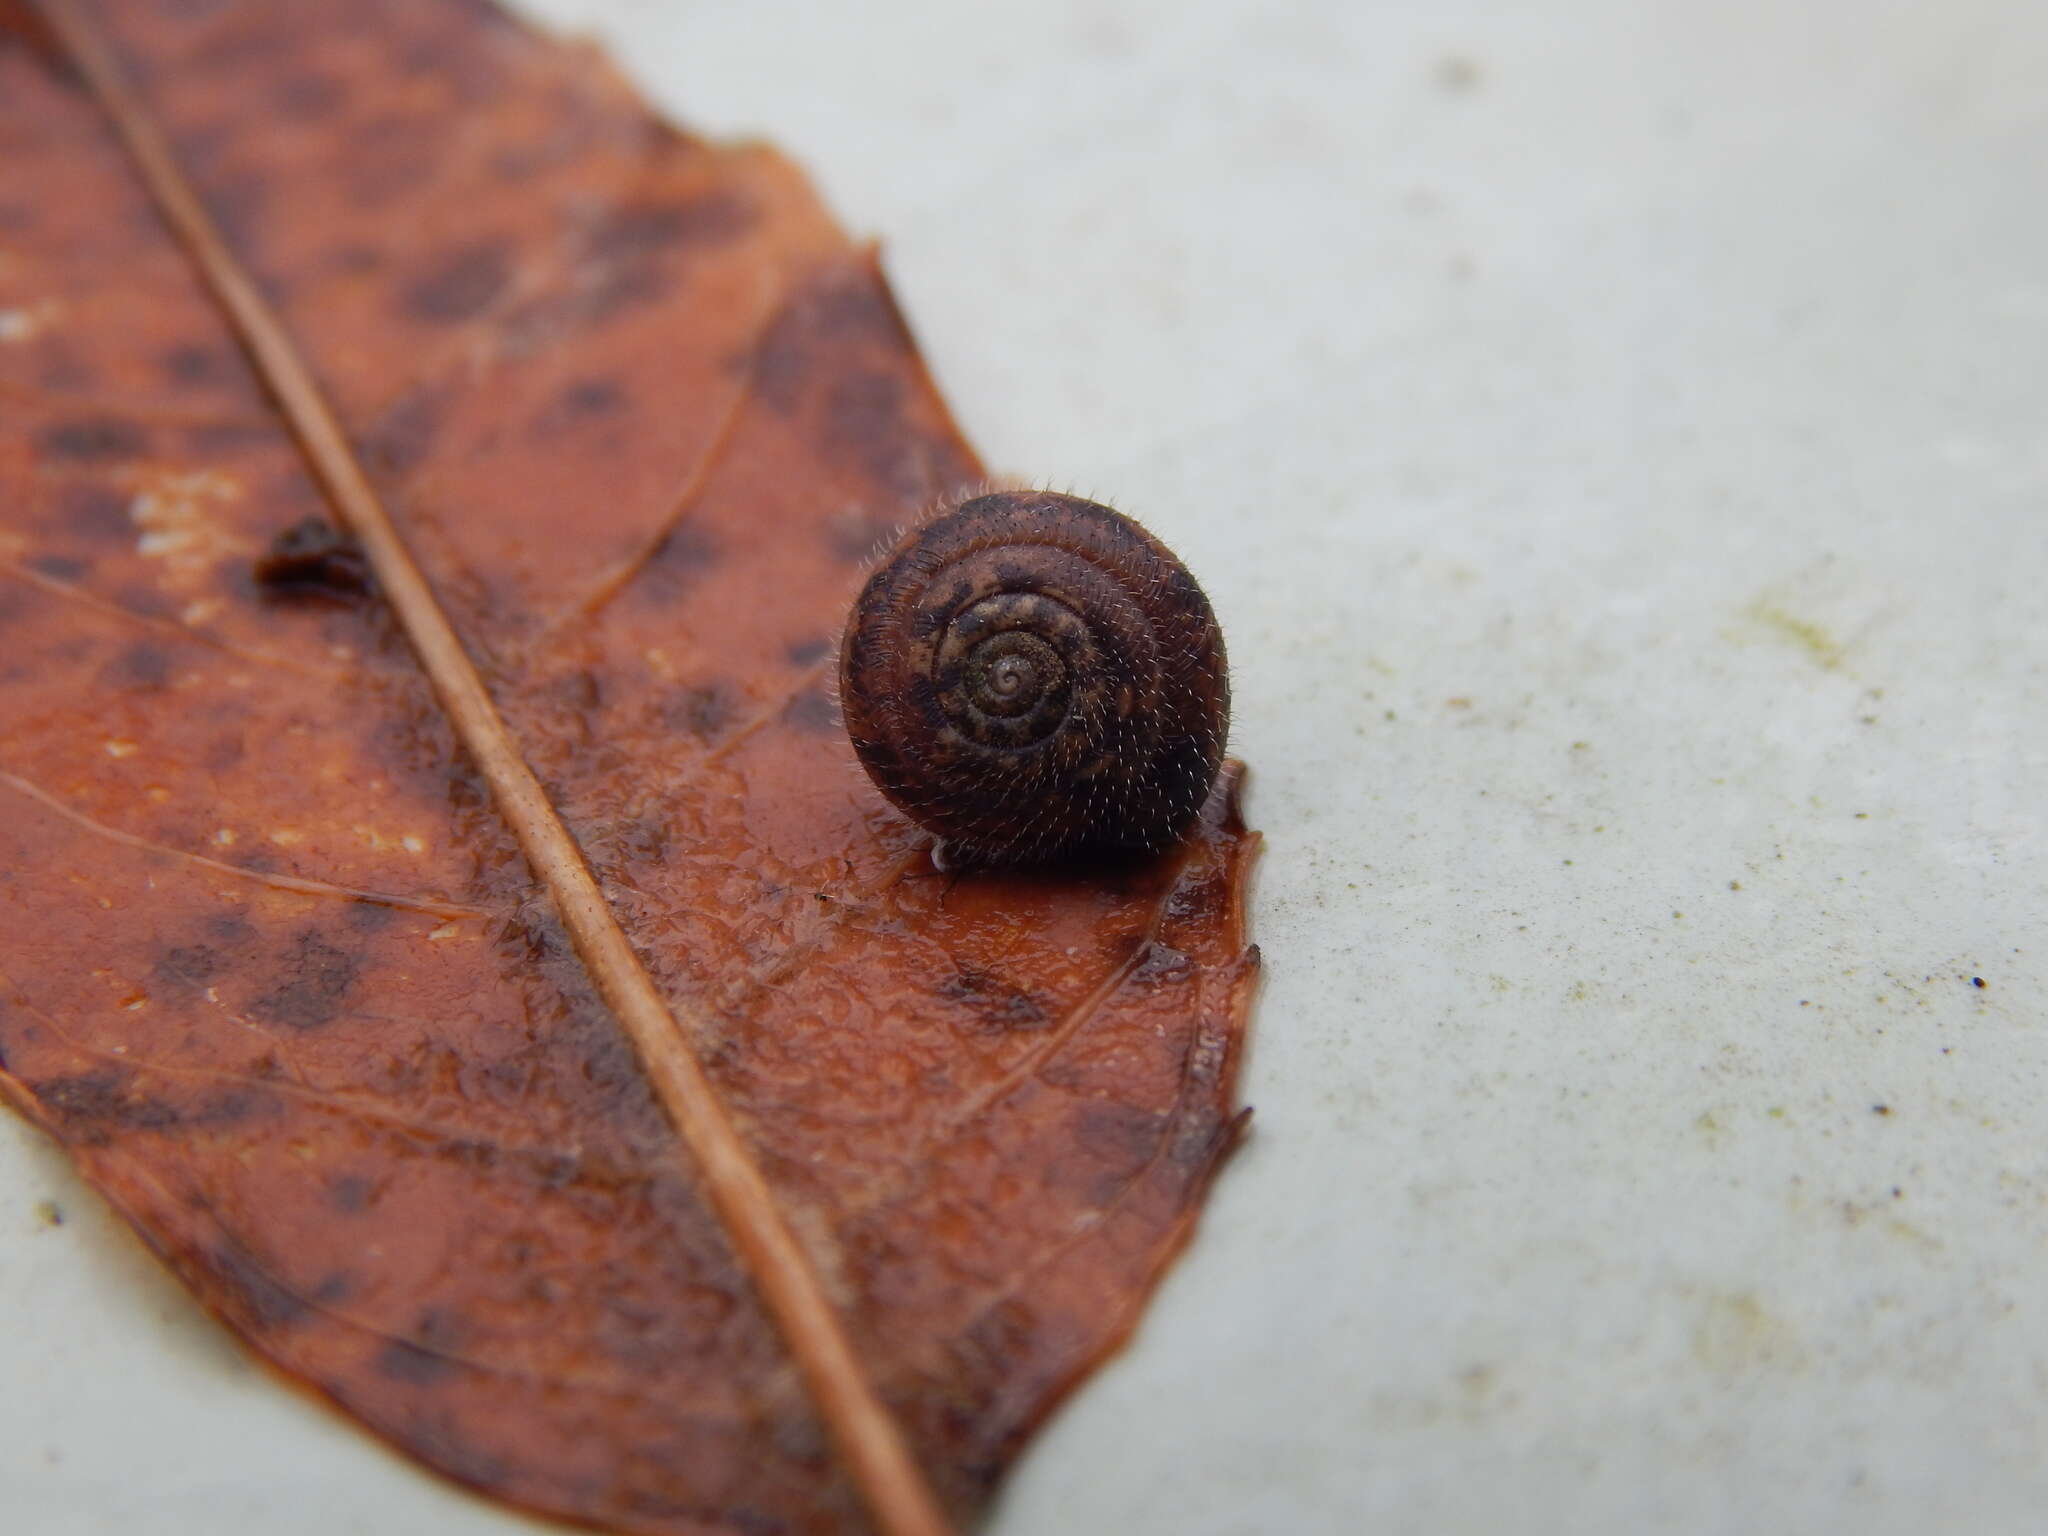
{"x": 290, "y": 969}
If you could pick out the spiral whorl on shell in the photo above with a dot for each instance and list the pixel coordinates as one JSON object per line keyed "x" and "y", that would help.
{"x": 1029, "y": 675}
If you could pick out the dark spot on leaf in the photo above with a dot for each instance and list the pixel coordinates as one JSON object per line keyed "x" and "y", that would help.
{"x": 92, "y": 1105}
{"x": 191, "y": 965}
{"x": 254, "y": 40}
{"x": 355, "y": 258}
{"x": 703, "y": 710}
{"x": 642, "y": 230}
{"x": 254, "y": 1291}
{"x": 313, "y": 558}
{"x": 237, "y": 202}
{"x": 421, "y": 1360}
{"x": 436, "y": 1442}
{"x": 150, "y": 602}
{"x": 988, "y": 1353}
{"x": 642, "y": 282}
{"x": 583, "y": 400}
{"x": 813, "y": 710}
{"x": 687, "y": 548}
{"x": 404, "y": 434}
{"x": 461, "y": 284}
{"x": 313, "y": 980}
{"x": 391, "y": 155}
{"x": 580, "y": 689}
{"x": 456, "y": 59}
{"x": 608, "y": 1064}
{"x": 58, "y": 567}
{"x": 801, "y": 1438}
{"x": 195, "y": 364}
{"x": 803, "y": 653}
{"x": 95, "y": 511}
{"x": 23, "y": 25}
{"x": 202, "y": 146}
{"x": 995, "y": 1006}
{"x": 231, "y": 928}
{"x": 94, "y": 440}
{"x": 641, "y": 840}
{"x": 215, "y": 437}
{"x": 1125, "y": 1136}
{"x": 683, "y": 554}
{"x": 336, "y": 1288}
{"x": 144, "y": 665}
{"x": 845, "y": 313}
{"x": 309, "y": 96}
{"x": 350, "y": 1194}
{"x": 409, "y": 1363}
{"x": 862, "y": 413}
{"x": 468, "y": 1152}
{"x": 228, "y": 1106}
{"x": 369, "y": 916}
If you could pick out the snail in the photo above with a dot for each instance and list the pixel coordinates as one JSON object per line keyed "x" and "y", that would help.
{"x": 1029, "y": 676}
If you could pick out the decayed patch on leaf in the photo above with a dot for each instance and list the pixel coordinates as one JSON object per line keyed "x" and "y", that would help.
{"x": 272, "y": 967}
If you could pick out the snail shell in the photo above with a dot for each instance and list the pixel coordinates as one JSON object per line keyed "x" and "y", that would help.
{"x": 1030, "y": 675}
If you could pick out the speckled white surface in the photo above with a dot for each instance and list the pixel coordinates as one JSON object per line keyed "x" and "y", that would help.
{"x": 1616, "y": 436}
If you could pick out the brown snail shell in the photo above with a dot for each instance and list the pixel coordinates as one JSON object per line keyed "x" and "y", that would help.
{"x": 1030, "y": 675}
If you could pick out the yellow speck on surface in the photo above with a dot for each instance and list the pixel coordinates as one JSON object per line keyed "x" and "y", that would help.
{"x": 287, "y": 837}
{"x": 412, "y": 844}
{"x": 118, "y": 747}
{"x": 445, "y": 932}
{"x": 1735, "y": 1335}
{"x": 225, "y": 837}
{"x": 1821, "y": 647}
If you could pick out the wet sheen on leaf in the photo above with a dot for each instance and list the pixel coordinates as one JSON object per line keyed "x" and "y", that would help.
{"x": 272, "y": 969}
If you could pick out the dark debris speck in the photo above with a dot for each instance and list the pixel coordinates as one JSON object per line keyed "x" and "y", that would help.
{"x": 311, "y": 558}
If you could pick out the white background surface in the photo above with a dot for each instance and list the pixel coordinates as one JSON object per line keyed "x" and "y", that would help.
{"x": 1613, "y": 434}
